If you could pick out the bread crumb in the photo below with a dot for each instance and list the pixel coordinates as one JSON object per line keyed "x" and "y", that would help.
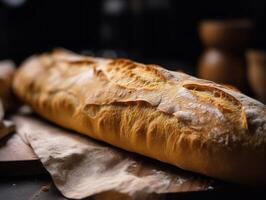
{"x": 45, "y": 188}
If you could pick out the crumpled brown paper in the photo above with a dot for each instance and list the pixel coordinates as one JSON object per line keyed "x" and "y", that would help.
{"x": 82, "y": 167}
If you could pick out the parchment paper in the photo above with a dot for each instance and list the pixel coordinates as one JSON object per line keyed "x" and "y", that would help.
{"x": 82, "y": 167}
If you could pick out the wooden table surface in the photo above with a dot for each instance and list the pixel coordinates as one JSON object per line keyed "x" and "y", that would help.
{"x": 17, "y": 158}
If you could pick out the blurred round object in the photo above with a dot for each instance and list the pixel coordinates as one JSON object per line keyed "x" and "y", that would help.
{"x": 226, "y": 34}
{"x": 7, "y": 71}
{"x": 222, "y": 68}
{"x": 257, "y": 72}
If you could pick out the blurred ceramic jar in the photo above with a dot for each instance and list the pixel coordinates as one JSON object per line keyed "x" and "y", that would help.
{"x": 223, "y": 59}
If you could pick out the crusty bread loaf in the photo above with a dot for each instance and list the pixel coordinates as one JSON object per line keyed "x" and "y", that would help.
{"x": 194, "y": 124}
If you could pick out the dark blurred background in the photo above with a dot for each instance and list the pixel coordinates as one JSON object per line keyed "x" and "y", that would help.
{"x": 139, "y": 29}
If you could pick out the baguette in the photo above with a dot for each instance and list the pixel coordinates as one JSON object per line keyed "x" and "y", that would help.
{"x": 194, "y": 124}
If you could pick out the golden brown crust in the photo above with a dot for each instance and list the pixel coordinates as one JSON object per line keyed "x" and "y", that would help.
{"x": 194, "y": 124}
